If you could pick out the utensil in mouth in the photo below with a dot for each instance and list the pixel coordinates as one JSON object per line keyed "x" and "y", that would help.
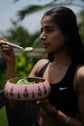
{"x": 27, "y": 49}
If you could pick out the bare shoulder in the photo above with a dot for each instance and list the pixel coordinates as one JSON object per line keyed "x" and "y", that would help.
{"x": 80, "y": 72}
{"x": 80, "y": 90}
{"x": 38, "y": 66}
{"x": 43, "y": 61}
{"x": 79, "y": 77}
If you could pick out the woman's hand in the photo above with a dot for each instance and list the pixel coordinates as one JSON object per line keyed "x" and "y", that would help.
{"x": 8, "y": 54}
{"x": 7, "y": 51}
{"x": 45, "y": 106}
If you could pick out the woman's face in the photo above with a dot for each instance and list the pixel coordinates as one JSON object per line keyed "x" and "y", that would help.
{"x": 51, "y": 35}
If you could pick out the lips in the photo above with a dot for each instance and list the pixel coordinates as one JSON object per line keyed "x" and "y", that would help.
{"x": 45, "y": 45}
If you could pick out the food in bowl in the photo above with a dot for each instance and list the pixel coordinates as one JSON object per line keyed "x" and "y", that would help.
{"x": 27, "y": 89}
{"x": 25, "y": 81}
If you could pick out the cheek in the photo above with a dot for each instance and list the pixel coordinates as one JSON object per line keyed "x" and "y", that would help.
{"x": 58, "y": 40}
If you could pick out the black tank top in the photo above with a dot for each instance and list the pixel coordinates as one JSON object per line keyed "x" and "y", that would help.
{"x": 62, "y": 93}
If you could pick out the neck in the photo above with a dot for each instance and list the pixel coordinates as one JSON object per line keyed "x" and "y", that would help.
{"x": 62, "y": 57}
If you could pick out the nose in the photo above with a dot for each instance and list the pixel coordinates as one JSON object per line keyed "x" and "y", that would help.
{"x": 43, "y": 36}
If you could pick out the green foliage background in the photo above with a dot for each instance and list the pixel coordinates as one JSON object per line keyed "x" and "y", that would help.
{"x": 24, "y": 65}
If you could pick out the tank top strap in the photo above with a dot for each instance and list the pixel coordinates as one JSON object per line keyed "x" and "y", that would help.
{"x": 41, "y": 72}
{"x": 71, "y": 71}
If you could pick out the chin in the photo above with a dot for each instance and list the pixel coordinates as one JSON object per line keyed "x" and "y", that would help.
{"x": 49, "y": 51}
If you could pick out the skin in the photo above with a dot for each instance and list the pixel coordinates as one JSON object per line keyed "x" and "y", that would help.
{"x": 53, "y": 41}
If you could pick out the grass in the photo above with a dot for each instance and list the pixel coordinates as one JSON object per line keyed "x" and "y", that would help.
{"x": 3, "y": 117}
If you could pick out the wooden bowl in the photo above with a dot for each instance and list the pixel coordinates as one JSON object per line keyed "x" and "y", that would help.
{"x": 27, "y": 92}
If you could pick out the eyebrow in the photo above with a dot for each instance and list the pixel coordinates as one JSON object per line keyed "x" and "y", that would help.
{"x": 51, "y": 26}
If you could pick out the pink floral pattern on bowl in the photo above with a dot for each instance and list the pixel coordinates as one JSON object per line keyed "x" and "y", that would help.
{"x": 27, "y": 92}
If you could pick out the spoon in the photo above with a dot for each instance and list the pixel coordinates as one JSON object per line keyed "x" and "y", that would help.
{"x": 17, "y": 46}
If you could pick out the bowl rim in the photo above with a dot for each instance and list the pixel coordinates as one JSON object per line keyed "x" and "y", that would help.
{"x": 15, "y": 79}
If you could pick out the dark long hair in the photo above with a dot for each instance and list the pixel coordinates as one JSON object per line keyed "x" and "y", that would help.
{"x": 66, "y": 19}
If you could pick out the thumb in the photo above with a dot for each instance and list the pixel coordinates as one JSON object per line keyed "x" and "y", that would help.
{"x": 4, "y": 39}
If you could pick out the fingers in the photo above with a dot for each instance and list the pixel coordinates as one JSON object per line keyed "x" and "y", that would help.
{"x": 4, "y": 42}
{"x": 6, "y": 51}
{"x": 42, "y": 103}
{"x": 5, "y": 45}
{"x": 4, "y": 39}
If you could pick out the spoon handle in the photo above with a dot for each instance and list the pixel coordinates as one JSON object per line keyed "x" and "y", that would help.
{"x": 11, "y": 44}
{"x": 17, "y": 46}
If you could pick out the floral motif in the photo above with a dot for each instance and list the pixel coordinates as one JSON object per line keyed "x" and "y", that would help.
{"x": 39, "y": 91}
{"x": 11, "y": 92}
{"x": 25, "y": 94}
{"x": 45, "y": 90}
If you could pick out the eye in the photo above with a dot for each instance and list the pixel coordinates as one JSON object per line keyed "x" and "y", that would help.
{"x": 48, "y": 30}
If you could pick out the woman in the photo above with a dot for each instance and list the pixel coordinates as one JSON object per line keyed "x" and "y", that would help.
{"x": 64, "y": 69}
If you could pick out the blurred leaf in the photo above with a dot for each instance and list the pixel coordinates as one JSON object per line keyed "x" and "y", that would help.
{"x": 31, "y": 9}
{"x": 34, "y": 8}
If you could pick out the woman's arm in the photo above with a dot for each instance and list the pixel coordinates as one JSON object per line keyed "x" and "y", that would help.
{"x": 8, "y": 54}
{"x": 61, "y": 119}
{"x": 80, "y": 91}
